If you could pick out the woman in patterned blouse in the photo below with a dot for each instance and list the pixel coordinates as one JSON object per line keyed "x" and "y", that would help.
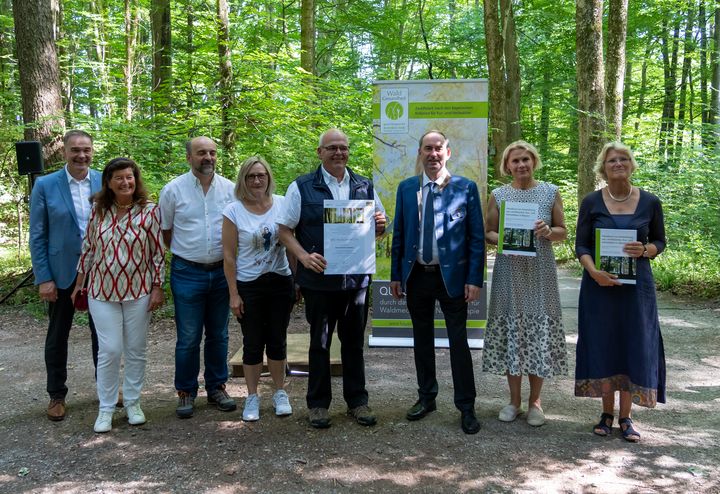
{"x": 124, "y": 258}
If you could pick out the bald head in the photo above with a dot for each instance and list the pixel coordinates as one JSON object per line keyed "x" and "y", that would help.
{"x": 333, "y": 151}
{"x": 331, "y": 134}
{"x": 202, "y": 155}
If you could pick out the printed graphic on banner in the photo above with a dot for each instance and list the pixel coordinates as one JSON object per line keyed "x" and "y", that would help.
{"x": 349, "y": 232}
{"x": 609, "y": 254}
{"x": 394, "y": 111}
{"x": 459, "y": 109}
{"x": 392, "y": 325}
{"x": 517, "y": 228}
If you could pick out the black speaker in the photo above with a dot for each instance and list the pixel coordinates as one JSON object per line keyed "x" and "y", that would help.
{"x": 29, "y": 157}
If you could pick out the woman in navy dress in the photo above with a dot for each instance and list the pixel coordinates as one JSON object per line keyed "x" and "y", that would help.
{"x": 620, "y": 348}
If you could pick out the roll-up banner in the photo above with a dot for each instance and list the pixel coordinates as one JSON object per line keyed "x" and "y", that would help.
{"x": 402, "y": 112}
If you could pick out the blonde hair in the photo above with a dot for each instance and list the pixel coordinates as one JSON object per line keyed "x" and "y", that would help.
{"x": 525, "y": 146}
{"x": 618, "y": 146}
{"x": 241, "y": 189}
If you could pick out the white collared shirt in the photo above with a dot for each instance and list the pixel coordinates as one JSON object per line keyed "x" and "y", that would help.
{"x": 425, "y": 190}
{"x": 81, "y": 192}
{"x": 194, "y": 217}
{"x": 290, "y": 213}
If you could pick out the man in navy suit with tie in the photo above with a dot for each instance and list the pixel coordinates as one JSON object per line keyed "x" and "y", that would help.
{"x": 438, "y": 253}
{"x": 59, "y": 211}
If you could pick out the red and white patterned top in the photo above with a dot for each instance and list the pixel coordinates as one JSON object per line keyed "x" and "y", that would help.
{"x": 124, "y": 258}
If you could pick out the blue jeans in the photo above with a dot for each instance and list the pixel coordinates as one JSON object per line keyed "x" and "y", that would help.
{"x": 201, "y": 300}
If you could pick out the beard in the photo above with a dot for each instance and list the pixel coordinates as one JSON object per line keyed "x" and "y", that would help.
{"x": 205, "y": 168}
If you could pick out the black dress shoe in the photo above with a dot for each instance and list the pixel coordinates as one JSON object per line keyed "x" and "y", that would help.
{"x": 420, "y": 409}
{"x": 469, "y": 422}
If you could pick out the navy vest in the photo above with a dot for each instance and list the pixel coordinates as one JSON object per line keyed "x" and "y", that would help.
{"x": 309, "y": 231}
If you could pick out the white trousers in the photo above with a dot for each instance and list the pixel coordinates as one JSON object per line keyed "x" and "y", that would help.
{"x": 121, "y": 326}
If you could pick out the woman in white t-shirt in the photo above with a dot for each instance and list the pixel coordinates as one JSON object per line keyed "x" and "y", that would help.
{"x": 259, "y": 280}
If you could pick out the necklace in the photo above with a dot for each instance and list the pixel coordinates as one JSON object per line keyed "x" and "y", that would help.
{"x": 127, "y": 206}
{"x": 619, "y": 200}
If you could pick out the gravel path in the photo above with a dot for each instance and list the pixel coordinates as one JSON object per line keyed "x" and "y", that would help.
{"x": 217, "y": 452}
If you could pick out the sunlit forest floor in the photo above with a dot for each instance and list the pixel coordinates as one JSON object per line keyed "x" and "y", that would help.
{"x": 218, "y": 452}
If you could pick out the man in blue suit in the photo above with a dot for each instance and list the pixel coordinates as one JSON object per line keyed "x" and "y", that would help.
{"x": 59, "y": 211}
{"x": 438, "y": 253}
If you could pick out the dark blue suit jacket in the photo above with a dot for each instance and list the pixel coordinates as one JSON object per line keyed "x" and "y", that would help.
{"x": 461, "y": 236}
{"x": 55, "y": 236}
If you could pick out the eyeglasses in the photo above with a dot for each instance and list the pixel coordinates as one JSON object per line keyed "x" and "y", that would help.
{"x": 335, "y": 149}
{"x": 256, "y": 176}
{"x": 617, "y": 160}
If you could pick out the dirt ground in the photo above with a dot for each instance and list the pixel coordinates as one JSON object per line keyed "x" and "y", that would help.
{"x": 218, "y": 452}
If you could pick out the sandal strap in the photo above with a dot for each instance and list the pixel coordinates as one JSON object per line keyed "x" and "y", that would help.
{"x": 603, "y": 424}
{"x": 629, "y": 430}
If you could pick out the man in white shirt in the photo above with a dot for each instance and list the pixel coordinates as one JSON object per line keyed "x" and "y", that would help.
{"x": 330, "y": 300}
{"x": 59, "y": 211}
{"x": 191, "y": 206}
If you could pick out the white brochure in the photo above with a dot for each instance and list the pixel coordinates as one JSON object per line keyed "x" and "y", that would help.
{"x": 516, "y": 232}
{"x": 609, "y": 255}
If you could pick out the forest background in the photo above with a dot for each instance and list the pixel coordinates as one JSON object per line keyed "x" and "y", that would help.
{"x": 268, "y": 76}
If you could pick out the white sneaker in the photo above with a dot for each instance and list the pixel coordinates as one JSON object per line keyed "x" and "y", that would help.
{"x": 535, "y": 416}
{"x": 251, "y": 412}
{"x": 281, "y": 403}
{"x": 509, "y": 413}
{"x": 135, "y": 414}
{"x": 103, "y": 423}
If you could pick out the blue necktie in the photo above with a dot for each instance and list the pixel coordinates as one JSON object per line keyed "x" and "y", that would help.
{"x": 429, "y": 225}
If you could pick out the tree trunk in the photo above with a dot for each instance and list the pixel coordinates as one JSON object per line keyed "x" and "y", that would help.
{"x": 545, "y": 110}
{"x": 190, "y": 23}
{"x": 225, "y": 67}
{"x": 398, "y": 59}
{"x": 496, "y": 69}
{"x": 65, "y": 67}
{"x": 39, "y": 75}
{"x": 715, "y": 89}
{"x": 132, "y": 21}
{"x": 162, "y": 54}
{"x": 421, "y": 7}
{"x": 627, "y": 87}
{"x": 615, "y": 75}
{"x": 643, "y": 85}
{"x": 591, "y": 90}
{"x": 705, "y": 110}
{"x": 512, "y": 65}
{"x": 100, "y": 53}
{"x": 573, "y": 123}
{"x": 6, "y": 70}
{"x": 667, "y": 124}
{"x": 307, "y": 36}
{"x": 688, "y": 51}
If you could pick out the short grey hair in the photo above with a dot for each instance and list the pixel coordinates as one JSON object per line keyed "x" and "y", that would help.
{"x": 322, "y": 136}
{"x": 618, "y": 146}
{"x": 75, "y": 133}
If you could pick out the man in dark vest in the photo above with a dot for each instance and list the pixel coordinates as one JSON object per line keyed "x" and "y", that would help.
{"x": 330, "y": 300}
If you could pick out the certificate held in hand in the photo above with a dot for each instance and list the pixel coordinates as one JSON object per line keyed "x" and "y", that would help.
{"x": 349, "y": 230}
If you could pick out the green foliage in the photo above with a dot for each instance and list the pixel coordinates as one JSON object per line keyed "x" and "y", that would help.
{"x": 278, "y": 110}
